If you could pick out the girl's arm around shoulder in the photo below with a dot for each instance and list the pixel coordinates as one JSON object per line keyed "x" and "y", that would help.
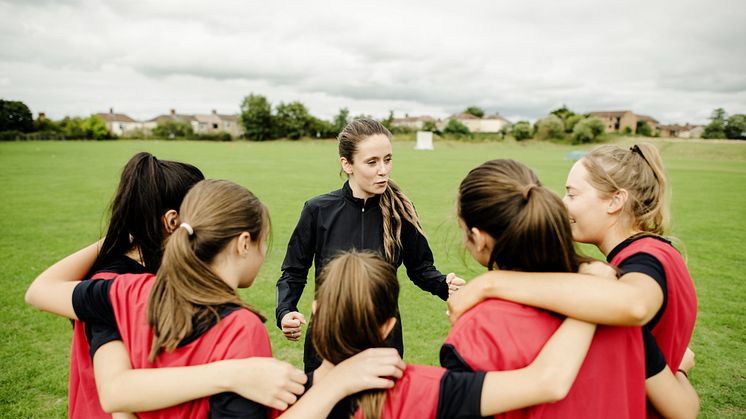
{"x": 52, "y": 290}
{"x": 547, "y": 379}
{"x": 630, "y": 301}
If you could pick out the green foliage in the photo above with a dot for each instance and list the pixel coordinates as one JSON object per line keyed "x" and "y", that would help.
{"x": 291, "y": 120}
{"x": 388, "y": 121}
{"x": 256, "y": 117}
{"x": 429, "y": 126}
{"x": 521, "y": 130}
{"x": 15, "y": 116}
{"x": 563, "y": 113}
{"x": 319, "y": 128}
{"x": 46, "y": 124}
{"x": 643, "y": 128}
{"x": 550, "y": 127}
{"x": 173, "y": 129}
{"x": 627, "y": 131}
{"x": 716, "y": 127}
{"x": 587, "y": 130}
{"x": 341, "y": 120}
{"x": 572, "y": 120}
{"x": 91, "y": 128}
{"x": 456, "y": 128}
{"x": 736, "y": 128}
{"x": 475, "y": 110}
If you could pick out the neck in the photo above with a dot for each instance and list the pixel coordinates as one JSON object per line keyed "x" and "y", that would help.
{"x": 225, "y": 270}
{"x": 135, "y": 255}
{"x": 614, "y": 237}
{"x": 358, "y": 192}
{"x": 322, "y": 370}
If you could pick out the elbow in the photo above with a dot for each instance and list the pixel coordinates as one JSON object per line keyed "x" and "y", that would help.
{"x": 556, "y": 384}
{"x": 108, "y": 400}
{"x": 637, "y": 314}
{"x": 32, "y": 296}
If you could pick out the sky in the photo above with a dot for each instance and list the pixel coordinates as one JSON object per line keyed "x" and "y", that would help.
{"x": 675, "y": 60}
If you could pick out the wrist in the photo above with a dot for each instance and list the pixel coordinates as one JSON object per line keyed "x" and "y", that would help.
{"x": 684, "y": 373}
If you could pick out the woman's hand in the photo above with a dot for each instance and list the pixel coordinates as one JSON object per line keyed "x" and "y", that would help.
{"x": 374, "y": 368}
{"x": 599, "y": 269}
{"x": 454, "y": 283}
{"x": 687, "y": 362}
{"x": 291, "y": 325}
{"x": 467, "y": 297}
{"x": 267, "y": 381}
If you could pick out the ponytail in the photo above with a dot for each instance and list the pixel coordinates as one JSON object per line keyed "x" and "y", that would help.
{"x": 186, "y": 291}
{"x": 395, "y": 205}
{"x": 148, "y": 188}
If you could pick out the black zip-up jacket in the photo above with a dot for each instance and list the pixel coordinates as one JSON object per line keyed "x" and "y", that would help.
{"x": 337, "y": 221}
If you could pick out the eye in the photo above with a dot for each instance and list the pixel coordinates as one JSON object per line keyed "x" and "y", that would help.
{"x": 388, "y": 159}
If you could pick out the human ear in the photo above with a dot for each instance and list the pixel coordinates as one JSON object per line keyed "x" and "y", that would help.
{"x": 478, "y": 237}
{"x": 387, "y": 327}
{"x": 244, "y": 243}
{"x": 314, "y": 307}
{"x": 617, "y": 201}
{"x": 170, "y": 221}
{"x": 346, "y": 165}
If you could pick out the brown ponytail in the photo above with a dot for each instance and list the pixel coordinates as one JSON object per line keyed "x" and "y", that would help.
{"x": 528, "y": 222}
{"x": 638, "y": 170}
{"x": 186, "y": 290}
{"x": 394, "y": 204}
{"x": 357, "y": 293}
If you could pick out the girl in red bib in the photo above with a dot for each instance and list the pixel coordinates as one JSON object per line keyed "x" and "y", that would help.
{"x": 617, "y": 199}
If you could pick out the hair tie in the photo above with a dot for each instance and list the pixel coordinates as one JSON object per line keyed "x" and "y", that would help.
{"x": 187, "y": 227}
{"x": 527, "y": 190}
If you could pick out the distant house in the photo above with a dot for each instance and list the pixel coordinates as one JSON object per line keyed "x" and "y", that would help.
{"x": 681, "y": 131}
{"x": 616, "y": 121}
{"x": 172, "y": 116}
{"x": 118, "y": 123}
{"x": 214, "y": 123}
{"x": 489, "y": 124}
{"x": 412, "y": 122}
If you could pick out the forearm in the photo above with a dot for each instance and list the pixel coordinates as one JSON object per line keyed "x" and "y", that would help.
{"x": 289, "y": 291}
{"x": 575, "y": 295}
{"x": 52, "y": 290}
{"x": 317, "y": 402}
{"x": 673, "y": 396}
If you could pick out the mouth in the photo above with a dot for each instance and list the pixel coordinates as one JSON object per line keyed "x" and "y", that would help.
{"x": 381, "y": 183}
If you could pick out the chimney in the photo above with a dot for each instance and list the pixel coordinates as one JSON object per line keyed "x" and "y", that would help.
{"x": 111, "y": 111}
{"x": 173, "y": 111}
{"x": 214, "y": 112}
{"x": 42, "y": 116}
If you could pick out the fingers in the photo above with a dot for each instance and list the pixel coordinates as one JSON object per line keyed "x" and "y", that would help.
{"x": 291, "y": 325}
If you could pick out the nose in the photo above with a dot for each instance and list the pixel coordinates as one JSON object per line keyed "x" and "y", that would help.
{"x": 382, "y": 168}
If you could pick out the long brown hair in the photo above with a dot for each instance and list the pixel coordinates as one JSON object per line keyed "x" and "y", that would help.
{"x": 528, "y": 222}
{"x": 638, "y": 170}
{"x": 394, "y": 204}
{"x": 186, "y": 290}
{"x": 147, "y": 189}
{"x": 357, "y": 293}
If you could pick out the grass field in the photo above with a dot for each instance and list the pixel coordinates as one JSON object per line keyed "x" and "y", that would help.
{"x": 53, "y": 197}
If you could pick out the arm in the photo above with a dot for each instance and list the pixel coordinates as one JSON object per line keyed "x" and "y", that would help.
{"x": 52, "y": 290}
{"x": 632, "y": 300}
{"x": 547, "y": 379}
{"x": 672, "y": 395}
{"x": 371, "y": 369}
{"x": 298, "y": 260}
{"x": 267, "y": 381}
{"x": 418, "y": 259}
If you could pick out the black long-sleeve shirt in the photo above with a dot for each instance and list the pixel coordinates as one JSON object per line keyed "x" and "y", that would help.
{"x": 336, "y": 222}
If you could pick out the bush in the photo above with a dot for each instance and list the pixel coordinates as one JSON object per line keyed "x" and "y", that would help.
{"x": 456, "y": 128}
{"x": 587, "y": 130}
{"x": 256, "y": 117}
{"x": 15, "y": 116}
{"x": 215, "y": 136}
{"x": 169, "y": 130}
{"x": 643, "y": 128}
{"x": 571, "y": 121}
{"x": 521, "y": 130}
{"x": 429, "y": 126}
{"x": 550, "y": 127}
{"x": 736, "y": 128}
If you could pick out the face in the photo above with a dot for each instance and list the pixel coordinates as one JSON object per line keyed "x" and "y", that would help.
{"x": 589, "y": 218}
{"x": 371, "y": 166}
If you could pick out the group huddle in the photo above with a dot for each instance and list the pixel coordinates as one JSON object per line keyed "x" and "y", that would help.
{"x": 160, "y": 330}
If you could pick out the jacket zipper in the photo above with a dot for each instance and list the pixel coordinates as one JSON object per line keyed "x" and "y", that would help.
{"x": 362, "y": 230}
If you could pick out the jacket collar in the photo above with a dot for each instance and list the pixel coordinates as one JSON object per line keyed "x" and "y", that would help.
{"x": 360, "y": 203}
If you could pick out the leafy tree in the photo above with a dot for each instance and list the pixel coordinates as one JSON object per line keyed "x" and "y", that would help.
{"x": 173, "y": 129}
{"x": 46, "y": 124}
{"x": 292, "y": 120}
{"x": 429, "y": 126}
{"x": 341, "y": 120}
{"x": 96, "y": 129}
{"x": 15, "y": 116}
{"x": 319, "y": 128}
{"x": 475, "y": 110}
{"x": 550, "y": 127}
{"x": 521, "y": 130}
{"x": 643, "y": 128}
{"x": 716, "y": 127}
{"x": 562, "y": 113}
{"x": 587, "y": 130}
{"x": 572, "y": 120}
{"x": 736, "y": 128}
{"x": 256, "y": 117}
{"x": 456, "y": 128}
{"x": 388, "y": 121}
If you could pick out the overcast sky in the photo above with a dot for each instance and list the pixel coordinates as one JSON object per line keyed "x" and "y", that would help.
{"x": 675, "y": 60}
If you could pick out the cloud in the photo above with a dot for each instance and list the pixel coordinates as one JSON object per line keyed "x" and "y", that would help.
{"x": 670, "y": 59}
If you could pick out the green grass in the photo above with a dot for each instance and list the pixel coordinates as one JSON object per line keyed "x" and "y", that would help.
{"x": 53, "y": 197}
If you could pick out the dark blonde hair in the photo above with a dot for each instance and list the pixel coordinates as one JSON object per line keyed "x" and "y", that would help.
{"x": 185, "y": 288}
{"x": 638, "y": 170}
{"x": 394, "y": 204}
{"x": 357, "y": 293}
{"x": 528, "y": 222}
